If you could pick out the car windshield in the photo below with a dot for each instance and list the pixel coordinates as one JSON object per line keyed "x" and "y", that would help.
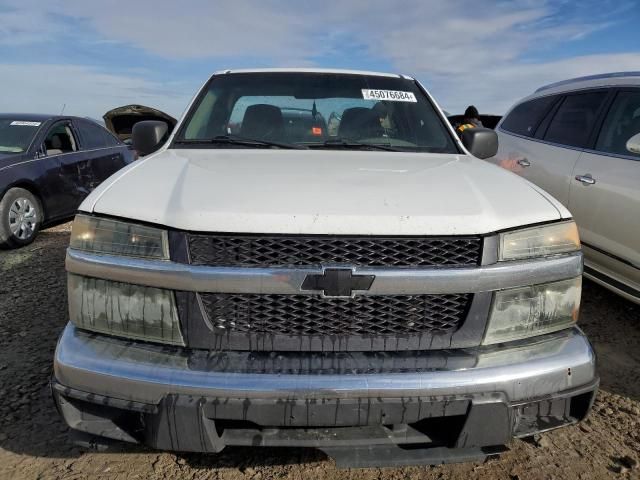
{"x": 314, "y": 110}
{"x": 16, "y": 135}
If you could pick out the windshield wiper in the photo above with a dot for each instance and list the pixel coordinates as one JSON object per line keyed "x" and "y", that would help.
{"x": 236, "y": 140}
{"x": 346, "y": 143}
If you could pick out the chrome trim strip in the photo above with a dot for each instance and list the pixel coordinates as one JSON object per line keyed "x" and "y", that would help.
{"x": 146, "y": 373}
{"x": 388, "y": 281}
{"x": 539, "y": 140}
{"x": 569, "y": 147}
{"x": 56, "y": 155}
{"x": 612, "y": 155}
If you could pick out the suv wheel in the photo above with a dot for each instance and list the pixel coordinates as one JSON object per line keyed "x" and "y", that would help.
{"x": 20, "y": 218}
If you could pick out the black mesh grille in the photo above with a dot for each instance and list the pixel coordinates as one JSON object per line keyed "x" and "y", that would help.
{"x": 261, "y": 251}
{"x": 314, "y": 315}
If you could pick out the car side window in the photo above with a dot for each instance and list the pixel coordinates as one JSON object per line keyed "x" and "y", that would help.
{"x": 524, "y": 118}
{"x": 574, "y": 120}
{"x": 109, "y": 139}
{"x": 622, "y": 123}
{"x": 60, "y": 139}
{"x": 93, "y": 136}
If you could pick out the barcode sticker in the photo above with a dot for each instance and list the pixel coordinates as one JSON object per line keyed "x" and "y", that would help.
{"x": 388, "y": 95}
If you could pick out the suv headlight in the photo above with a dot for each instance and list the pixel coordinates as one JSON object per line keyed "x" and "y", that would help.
{"x": 518, "y": 313}
{"x": 539, "y": 241}
{"x": 115, "y": 308}
{"x": 114, "y": 237}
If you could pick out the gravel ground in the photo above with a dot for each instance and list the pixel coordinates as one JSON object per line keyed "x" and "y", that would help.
{"x": 34, "y": 443}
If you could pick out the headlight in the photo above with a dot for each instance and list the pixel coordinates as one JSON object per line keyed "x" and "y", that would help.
{"x": 524, "y": 312}
{"x": 104, "y": 235}
{"x": 539, "y": 241}
{"x": 125, "y": 310}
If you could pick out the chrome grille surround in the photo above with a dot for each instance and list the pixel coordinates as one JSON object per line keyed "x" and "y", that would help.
{"x": 191, "y": 282}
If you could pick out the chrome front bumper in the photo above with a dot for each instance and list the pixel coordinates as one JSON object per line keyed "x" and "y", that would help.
{"x": 144, "y": 373}
{"x": 362, "y": 408}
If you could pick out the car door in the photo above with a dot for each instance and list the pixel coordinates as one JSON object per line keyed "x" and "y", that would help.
{"x": 605, "y": 194}
{"x": 61, "y": 183}
{"x": 105, "y": 154}
{"x": 548, "y": 166}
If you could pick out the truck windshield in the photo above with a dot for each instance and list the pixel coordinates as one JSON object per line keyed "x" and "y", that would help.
{"x": 314, "y": 110}
{"x": 16, "y": 135}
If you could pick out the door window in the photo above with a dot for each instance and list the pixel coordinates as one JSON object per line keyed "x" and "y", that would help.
{"x": 524, "y": 118}
{"x": 622, "y": 123}
{"x": 94, "y": 136}
{"x": 60, "y": 140}
{"x": 574, "y": 120}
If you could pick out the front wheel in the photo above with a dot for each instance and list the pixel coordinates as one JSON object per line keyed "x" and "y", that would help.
{"x": 20, "y": 218}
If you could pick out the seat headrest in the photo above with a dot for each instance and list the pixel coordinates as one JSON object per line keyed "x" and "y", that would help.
{"x": 360, "y": 122}
{"x": 263, "y": 122}
{"x": 56, "y": 141}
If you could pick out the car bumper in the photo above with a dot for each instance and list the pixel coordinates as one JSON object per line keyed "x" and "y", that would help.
{"x": 363, "y": 409}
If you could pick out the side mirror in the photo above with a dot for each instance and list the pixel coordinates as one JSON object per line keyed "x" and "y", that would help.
{"x": 481, "y": 142}
{"x": 633, "y": 144}
{"x": 149, "y": 135}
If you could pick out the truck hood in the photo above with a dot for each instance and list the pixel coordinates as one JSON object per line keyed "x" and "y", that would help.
{"x": 321, "y": 192}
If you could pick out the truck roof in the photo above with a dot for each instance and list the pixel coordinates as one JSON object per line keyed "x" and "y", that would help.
{"x": 312, "y": 70}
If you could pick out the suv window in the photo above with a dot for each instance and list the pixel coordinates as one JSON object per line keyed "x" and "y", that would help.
{"x": 573, "y": 122}
{"x": 622, "y": 123}
{"x": 524, "y": 118}
{"x": 94, "y": 136}
{"x": 60, "y": 139}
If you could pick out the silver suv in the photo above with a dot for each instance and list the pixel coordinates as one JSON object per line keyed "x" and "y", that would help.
{"x": 578, "y": 140}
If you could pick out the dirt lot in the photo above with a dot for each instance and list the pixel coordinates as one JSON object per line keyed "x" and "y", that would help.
{"x": 34, "y": 443}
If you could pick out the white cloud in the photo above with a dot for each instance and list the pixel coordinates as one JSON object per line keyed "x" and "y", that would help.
{"x": 469, "y": 52}
{"x": 495, "y": 90}
{"x": 86, "y": 91}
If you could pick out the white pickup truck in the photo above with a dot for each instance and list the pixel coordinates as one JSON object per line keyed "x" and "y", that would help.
{"x": 312, "y": 258}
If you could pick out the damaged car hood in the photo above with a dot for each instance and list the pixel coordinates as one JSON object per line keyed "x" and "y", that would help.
{"x": 322, "y": 192}
{"x": 121, "y": 120}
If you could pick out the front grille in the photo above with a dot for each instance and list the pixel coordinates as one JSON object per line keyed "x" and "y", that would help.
{"x": 296, "y": 315}
{"x": 267, "y": 251}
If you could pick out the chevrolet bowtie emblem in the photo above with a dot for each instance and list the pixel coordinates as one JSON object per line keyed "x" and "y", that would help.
{"x": 338, "y": 282}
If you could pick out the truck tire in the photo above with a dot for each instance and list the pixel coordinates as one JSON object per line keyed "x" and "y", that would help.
{"x": 21, "y": 215}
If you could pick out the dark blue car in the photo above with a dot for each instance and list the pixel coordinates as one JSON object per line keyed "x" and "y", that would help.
{"x": 48, "y": 165}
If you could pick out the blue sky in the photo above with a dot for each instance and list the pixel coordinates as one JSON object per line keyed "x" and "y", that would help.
{"x": 94, "y": 55}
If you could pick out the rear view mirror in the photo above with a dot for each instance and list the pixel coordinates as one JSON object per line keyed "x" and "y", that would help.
{"x": 149, "y": 135}
{"x": 633, "y": 144}
{"x": 481, "y": 142}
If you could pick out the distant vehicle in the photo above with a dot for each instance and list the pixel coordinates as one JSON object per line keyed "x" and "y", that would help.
{"x": 48, "y": 165}
{"x": 580, "y": 141}
{"x": 488, "y": 121}
{"x": 121, "y": 120}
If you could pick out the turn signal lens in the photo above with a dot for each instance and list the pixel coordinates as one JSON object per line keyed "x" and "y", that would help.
{"x": 124, "y": 310}
{"x": 539, "y": 241}
{"x": 525, "y": 312}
